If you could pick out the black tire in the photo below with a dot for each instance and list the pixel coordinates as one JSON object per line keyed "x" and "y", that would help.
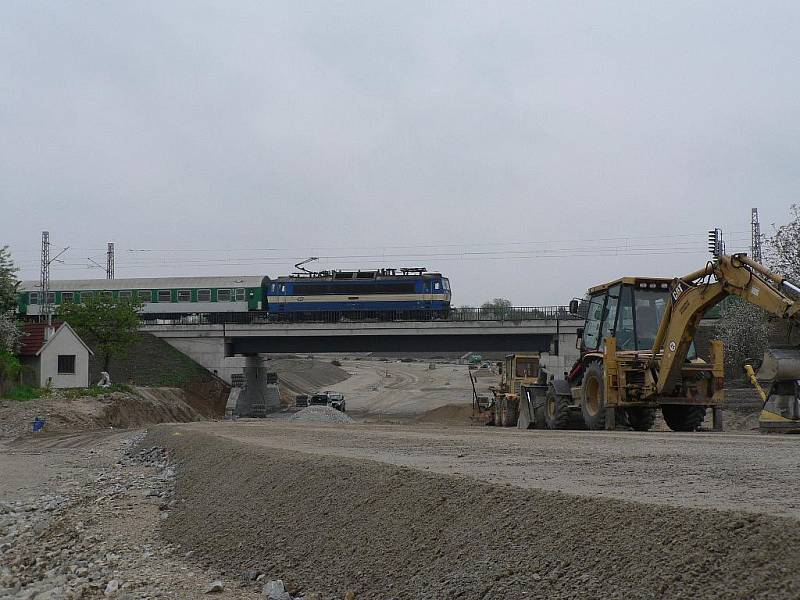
{"x": 683, "y": 418}
{"x": 593, "y": 398}
{"x": 641, "y": 419}
{"x": 556, "y": 410}
{"x": 508, "y": 414}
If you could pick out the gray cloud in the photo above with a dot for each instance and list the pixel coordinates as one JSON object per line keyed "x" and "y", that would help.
{"x": 448, "y": 126}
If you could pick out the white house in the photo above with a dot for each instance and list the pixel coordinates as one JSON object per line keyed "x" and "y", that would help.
{"x": 54, "y": 357}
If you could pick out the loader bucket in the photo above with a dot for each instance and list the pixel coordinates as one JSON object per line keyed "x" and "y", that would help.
{"x": 780, "y": 375}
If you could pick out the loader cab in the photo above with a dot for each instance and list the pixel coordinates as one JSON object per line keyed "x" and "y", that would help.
{"x": 629, "y": 309}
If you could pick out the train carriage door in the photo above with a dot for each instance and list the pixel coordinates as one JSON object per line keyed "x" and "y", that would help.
{"x": 279, "y": 290}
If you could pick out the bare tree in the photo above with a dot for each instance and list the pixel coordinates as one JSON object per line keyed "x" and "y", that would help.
{"x": 744, "y": 330}
{"x": 783, "y": 248}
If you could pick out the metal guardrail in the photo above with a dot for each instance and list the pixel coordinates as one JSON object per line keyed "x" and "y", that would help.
{"x": 454, "y": 315}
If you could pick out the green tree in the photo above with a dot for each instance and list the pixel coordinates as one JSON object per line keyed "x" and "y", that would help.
{"x": 8, "y": 281}
{"x": 111, "y": 325}
{"x": 501, "y": 307}
{"x": 783, "y": 248}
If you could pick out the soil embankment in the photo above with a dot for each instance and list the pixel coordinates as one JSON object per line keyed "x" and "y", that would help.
{"x": 135, "y": 408}
{"x": 304, "y": 376}
{"x": 333, "y": 524}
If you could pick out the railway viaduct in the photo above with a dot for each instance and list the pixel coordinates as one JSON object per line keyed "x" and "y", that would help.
{"x": 224, "y": 348}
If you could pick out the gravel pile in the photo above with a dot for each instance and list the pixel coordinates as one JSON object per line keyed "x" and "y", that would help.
{"x": 97, "y": 534}
{"x": 379, "y": 531}
{"x": 321, "y": 414}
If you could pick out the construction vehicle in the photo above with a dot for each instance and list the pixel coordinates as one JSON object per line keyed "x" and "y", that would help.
{"x": 517, "y": 371}
{"x": 638, "y": 355}
{"x": 779, "y": 370}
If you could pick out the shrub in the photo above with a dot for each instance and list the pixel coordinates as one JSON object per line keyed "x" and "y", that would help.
{"x": 22, "y": 393}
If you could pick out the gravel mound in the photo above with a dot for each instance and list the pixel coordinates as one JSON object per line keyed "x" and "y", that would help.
{"x": 382, "y": 531}
{"x": 321, "y": 414}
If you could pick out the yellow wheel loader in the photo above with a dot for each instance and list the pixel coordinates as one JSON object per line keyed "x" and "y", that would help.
{"x": 502, "y": 409}
{"x": 638, "y": 355}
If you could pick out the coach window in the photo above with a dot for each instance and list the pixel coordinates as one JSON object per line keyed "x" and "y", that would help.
{"x": 223, "y": 295}
{"x": 67, "y": 297}
{"x": 184, "y": 296}
{"x": 204, "y": 295}
{"x": 164, "y": 296}
{"x": 125, "y": 295}
{"x": 240, "y": 294}
{"x": 33, "y": 298}
{"x": 437, "y": 286}
{"x": 145, "y": 296}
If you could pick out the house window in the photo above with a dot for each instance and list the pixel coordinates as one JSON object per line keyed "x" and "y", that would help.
{"x": 164, "y": 296}
{"x": 223, "y": 295}
{"x": 184, "y": 296}
{"x": 33, "y": 298}
{"x": 204, "y": 295}
{"x": 51, "y": 297}
{"x": 125, "y": 295}
{"x": 66, "y": 364}
{"x": 145, "y": 296}
{"x": 67, "y": 297}
{"x": 106, "y": 295}
{"x": 86, "y": 296}
{"x": 239, "y": 294}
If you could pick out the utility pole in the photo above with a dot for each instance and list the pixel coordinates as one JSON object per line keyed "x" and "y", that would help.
{"x": 44, "y": 282}
{"x": 110, "y": 261}
{"x": 755, "y": 237}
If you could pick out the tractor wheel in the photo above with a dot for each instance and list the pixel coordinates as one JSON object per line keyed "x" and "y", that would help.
{"x": 683, "y": 418}
{"x": 556, "y": 410}
{"x": 593, "y": 401}
{"x": 641, "y": 419}
{"x": 508, "y": 415}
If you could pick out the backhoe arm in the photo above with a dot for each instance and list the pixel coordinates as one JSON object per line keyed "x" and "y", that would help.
{"x": 697, "y": 292}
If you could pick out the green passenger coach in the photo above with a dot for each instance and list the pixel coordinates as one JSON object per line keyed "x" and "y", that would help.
{"x": 184, "y": 295}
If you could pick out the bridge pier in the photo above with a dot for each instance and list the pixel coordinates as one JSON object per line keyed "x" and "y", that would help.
{"x": 260, "y": 394}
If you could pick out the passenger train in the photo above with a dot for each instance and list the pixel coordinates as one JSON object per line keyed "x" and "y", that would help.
{"x": 368, "y": 294}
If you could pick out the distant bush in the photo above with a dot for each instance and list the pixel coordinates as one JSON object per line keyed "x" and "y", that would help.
{"x": 22, "y": 393}
{"x": 336, "y": 363}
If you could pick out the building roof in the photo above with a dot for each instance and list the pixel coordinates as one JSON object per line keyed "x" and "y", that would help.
{"x": 145, "y": 283}
{"x": 33, "y": 340}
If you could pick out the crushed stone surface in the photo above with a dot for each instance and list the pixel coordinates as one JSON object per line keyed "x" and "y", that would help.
{"x": 321, "y": 414}
{"x": 381, "y": 531}
{"x": 80, "y": 517}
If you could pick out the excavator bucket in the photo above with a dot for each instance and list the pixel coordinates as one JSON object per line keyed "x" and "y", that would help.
{"x": 779, "y": 375}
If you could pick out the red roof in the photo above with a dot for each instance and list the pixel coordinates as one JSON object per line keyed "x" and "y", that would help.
{"x": 33, "y": 338}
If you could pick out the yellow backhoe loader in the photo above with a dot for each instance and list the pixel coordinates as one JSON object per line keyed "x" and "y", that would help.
{"x": 638, "y": 355}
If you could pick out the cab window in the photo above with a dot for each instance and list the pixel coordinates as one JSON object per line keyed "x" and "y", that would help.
{"x": 591, "y": 331}
{"x": 610, "y": 314}
{"x": 625, "y": 332}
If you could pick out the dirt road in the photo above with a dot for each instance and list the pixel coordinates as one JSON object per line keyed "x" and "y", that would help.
{"x": 400, "y": 391}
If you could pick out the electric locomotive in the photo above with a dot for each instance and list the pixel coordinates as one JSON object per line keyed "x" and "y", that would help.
{"x": 370, "y": 294}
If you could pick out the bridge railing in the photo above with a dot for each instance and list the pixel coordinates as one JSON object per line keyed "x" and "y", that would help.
{"x": 515, "y": 314}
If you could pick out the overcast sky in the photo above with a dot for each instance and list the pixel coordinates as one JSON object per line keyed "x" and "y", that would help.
{"x": 527, "y": 150}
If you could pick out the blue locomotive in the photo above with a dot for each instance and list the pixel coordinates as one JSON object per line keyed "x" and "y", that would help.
{"x": 371, "y": 294}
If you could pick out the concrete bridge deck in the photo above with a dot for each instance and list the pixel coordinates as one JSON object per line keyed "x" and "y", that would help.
{"x": 215, "y": 346}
